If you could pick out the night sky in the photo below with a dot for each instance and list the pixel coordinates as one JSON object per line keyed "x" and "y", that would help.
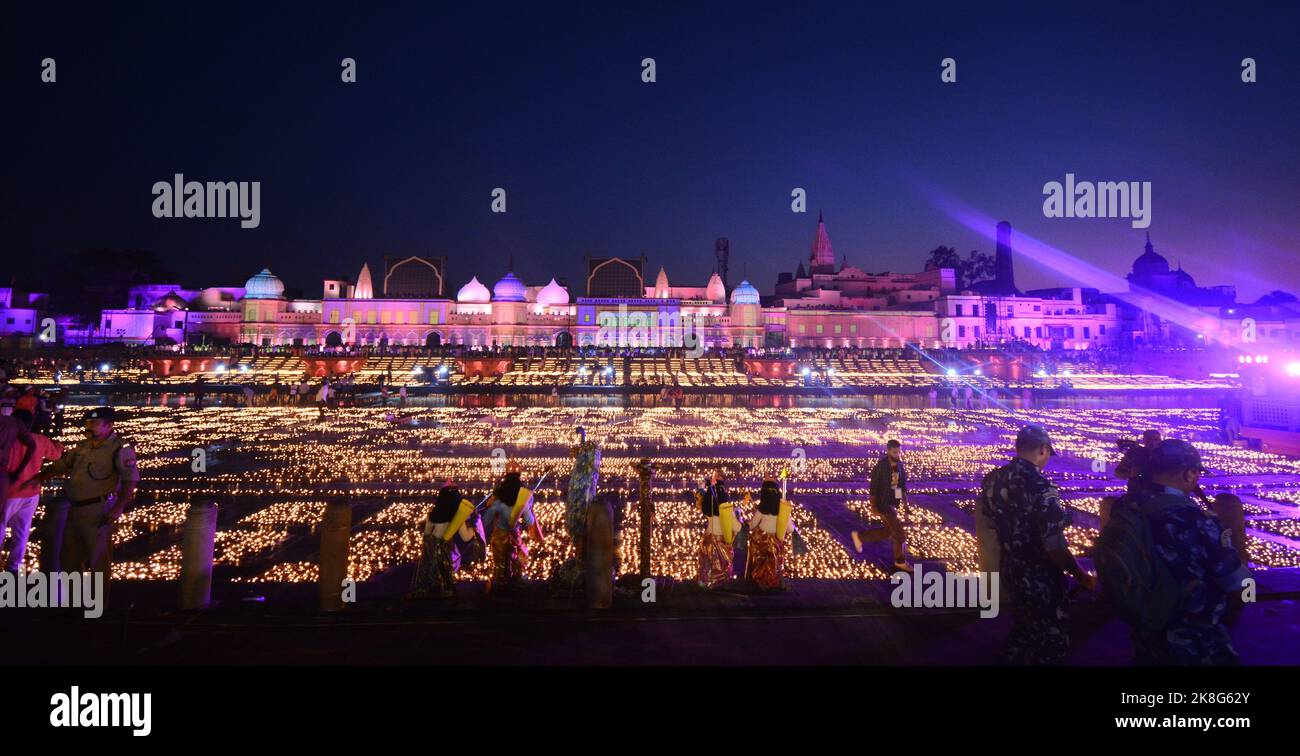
{"x": 752, "y": 100}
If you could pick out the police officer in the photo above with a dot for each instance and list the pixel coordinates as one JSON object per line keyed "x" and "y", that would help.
{"x": 1199, "y": 551}
{"x": 102, "y": 477}
{"x": 1025, "y": 510}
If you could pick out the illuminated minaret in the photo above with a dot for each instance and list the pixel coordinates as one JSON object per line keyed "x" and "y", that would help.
{"x": 823, "y": 257}
{"x": 722, "y": 252}
{"x": 1003, "y": 273}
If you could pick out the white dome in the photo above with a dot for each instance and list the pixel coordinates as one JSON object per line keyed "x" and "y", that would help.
{"x": 473, "y": 292}
{"x": 552, "y": 294}
{"x": 264, "y": 285}
{"x": 509, "y": 289}
{"x": 745, "y": 293}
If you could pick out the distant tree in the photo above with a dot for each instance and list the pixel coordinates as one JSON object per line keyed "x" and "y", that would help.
{"x": 975, "y": 267}
{"x": 86, "y": 281}
{"x": 978, "y": 266}
{"x": 943, "y": 257}
{"x": 946, "y": 257}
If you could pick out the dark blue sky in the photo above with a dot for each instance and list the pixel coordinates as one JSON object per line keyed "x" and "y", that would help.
{"x": 752, "y": 99}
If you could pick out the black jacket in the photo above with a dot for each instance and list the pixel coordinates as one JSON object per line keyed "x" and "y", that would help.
{"x": 881, "y": 490}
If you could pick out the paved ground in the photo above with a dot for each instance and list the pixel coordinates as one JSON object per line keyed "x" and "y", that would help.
{"x": 817, "y": 622}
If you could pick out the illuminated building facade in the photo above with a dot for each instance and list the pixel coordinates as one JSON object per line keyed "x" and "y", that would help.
{"x": 821, "y": 306}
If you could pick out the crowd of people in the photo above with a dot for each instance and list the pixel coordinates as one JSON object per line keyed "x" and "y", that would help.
{"x": 1170, "y": 560}
{"x": 1168, "y": 557}
{"x": 100, "y": 475}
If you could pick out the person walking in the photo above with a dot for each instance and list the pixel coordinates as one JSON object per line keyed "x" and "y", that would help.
{"x": 888, "y": 492}
{"x": 323, "y": 397}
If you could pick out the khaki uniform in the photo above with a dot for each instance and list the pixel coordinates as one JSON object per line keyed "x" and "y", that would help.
{"x": 94, "y": 472}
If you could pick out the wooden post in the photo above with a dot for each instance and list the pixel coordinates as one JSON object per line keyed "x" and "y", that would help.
{"x": 644, "y": 469}
{"x": 599, "y": 567}
{"x": 196, "y": 556}
{"x": 335, "y": 537}
{"x": 989, "y": 549}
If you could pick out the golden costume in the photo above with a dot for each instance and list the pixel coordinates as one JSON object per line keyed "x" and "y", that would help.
{"x": 767, "y": 539}
{"x": 716, "y": 549}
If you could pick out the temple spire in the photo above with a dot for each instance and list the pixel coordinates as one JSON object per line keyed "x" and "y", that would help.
{"x": 822, "y": 258}
{"x": 364, "y": 288}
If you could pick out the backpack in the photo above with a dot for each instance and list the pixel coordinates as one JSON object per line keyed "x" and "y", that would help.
{"x": 1138, "y": 583}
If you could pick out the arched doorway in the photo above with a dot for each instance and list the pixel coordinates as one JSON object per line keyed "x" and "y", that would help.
{"x": 334, "y": 339}
{"x": 564, "y": 340}
{"x": 433, "y": 340}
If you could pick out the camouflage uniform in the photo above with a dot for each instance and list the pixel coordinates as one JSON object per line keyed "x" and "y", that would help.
{"x": 1200, "y": 554}
{"x": 1025, "y": 509}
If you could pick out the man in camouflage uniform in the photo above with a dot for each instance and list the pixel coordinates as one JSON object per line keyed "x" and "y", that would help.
{"x": 1199, "y": 551}
{"x": 1025, "y": 509}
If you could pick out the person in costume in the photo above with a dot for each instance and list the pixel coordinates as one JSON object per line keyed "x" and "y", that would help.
{"x": 447, "y": 529}
{"x": 584, "y": 481}
{"x": 716, "y": 549}
{"x": 509, "y": 511}
{"x": 767, "y": 547}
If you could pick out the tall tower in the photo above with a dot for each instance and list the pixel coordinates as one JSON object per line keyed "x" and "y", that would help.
{"x": 722, "y": 251}
{"x": 364, "y": 289}
{"x": 822, "y": 257}
{"x": 1003, "y": 272}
